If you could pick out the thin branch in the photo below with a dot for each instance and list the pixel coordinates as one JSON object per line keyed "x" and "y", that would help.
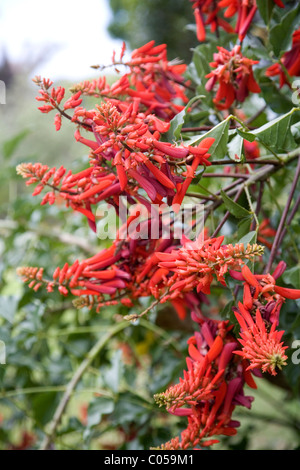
{"x": 278, "y": 235}
{"x": 225, "y": 175}
{"x": 256, "y": 115}
{"x": 289, "y": 220}
{"x": 258, "y": 203}
{"x": 134, "y": 317}
{"x": 243, "y": 162}
{"x": 251, "y": 207}
{"x": 93, "y": 353}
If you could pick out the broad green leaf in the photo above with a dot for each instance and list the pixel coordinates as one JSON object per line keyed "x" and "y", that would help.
{"x": 281, "y": 34}
{"x": 292, "y": 276}
{"x": 112, "y": 375}
{"x": 11, "y": 145}
{"x": 244, "y": 226}
{"x": 100, "y": 406}
{"x": 278, "y": 100}
{"x": 276, "y": 134}
{"x": 203, "y": 54}
{"x": 178, "y": 121}
{"x": 265, "y": 8}
{"x": 43, "y": 406}
{"x": 251, "y": 238}
{"x": 295, "y": 130}
{"x": 218, "y": 149}
{"x": 8, "y": 307}
{"x": 130, "y": 409}
{"x": 234, "y": 208}
{"x": 235, "y": 147}
{"x": 227, "y": 310}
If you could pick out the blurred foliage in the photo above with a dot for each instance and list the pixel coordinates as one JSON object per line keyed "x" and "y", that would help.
{"x": 139, "y": 22}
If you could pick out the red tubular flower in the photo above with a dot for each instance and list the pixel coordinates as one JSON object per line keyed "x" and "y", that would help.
{"x": 246, "y": 10}
{"x": 279, "y": 3}
{"x": 258, "y": 317}
{"x": 206, "y": 12}
{"x": 265, "y": 232}
{"x": 264, "y": 349}
{"x": 290, "y": 61}
{"x": 210, "y": 389}
{"x": 251, "y": 150}
{"x": 195, "y": 264}
{"x": 234, "y": 75}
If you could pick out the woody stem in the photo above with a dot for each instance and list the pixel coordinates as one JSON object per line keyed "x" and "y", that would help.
{"x": 278, "y": 235}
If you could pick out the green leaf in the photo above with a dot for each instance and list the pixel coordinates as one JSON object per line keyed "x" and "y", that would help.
{"x": 281, "y": 34}
{"x": 100, "y": 406}
{"x": 234, "y": 208}
{"x": 265, "y": 8}
{"x": 203, "y": 54}
{"x": 8, "y": 307}
{"x": 295, "y": 130}
{"x": 11, "y": 145}
{"x": 235, "y": 147}
{"x": 276, "y": 134}
{"x": 218, "y": 149}
{"x": 227, "y": 310}
{"x": 292, "y": 276}
{"x": 251, "y": 238}
{"x": 113, "y": 374}
{"x": 278, "y": 100}
{"x": 244, "y": 226}
{"x": 129, "y": 409}
{"x": 43, "y": 406}
{"x": 178, "y": 121}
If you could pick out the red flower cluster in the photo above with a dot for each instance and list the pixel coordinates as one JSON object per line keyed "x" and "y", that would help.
{"x": 126, "y": 148}
{"x": 211, "y": 12}
{"x": 211, "y": 387}
{"x": 258, "y": 317}
{"x": 234, "y": 75}
{"x": 156, "y": 82}
{"x": 206, "y": 12}
{"x": 290, "y": 62}
{"x": 195, "y": 263}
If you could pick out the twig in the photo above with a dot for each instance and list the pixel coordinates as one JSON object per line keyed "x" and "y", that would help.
{"x": 200, "y": 196}
{"x": 256, "y": 115}
{"x": 283, "y": 219}
{"x": 289, "y": 220}
{"x": 225, "y": 175}
{"x": 259, "y": 201}
{"x": 243, "y": 162}
{"x": 251, "y": 207}
{"x": 134, "y": 317}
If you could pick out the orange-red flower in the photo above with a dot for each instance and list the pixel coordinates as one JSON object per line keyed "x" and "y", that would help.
{"x": 195, "y": 264}
{"x": 210, "y": 389}
{"x": 258, "y": 317}
{"x": 289, "y": 62}
{"x": 206, "y": 12}
{"x": 264, "y": 349}
{"x": 234, "y": 75}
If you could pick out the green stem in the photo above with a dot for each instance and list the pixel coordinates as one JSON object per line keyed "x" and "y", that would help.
{"x": 252, "y": 208}
{"x": 93, "y": 353}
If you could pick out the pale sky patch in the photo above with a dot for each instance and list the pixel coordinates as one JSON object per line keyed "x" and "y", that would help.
{"x": 78, "y": 29}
